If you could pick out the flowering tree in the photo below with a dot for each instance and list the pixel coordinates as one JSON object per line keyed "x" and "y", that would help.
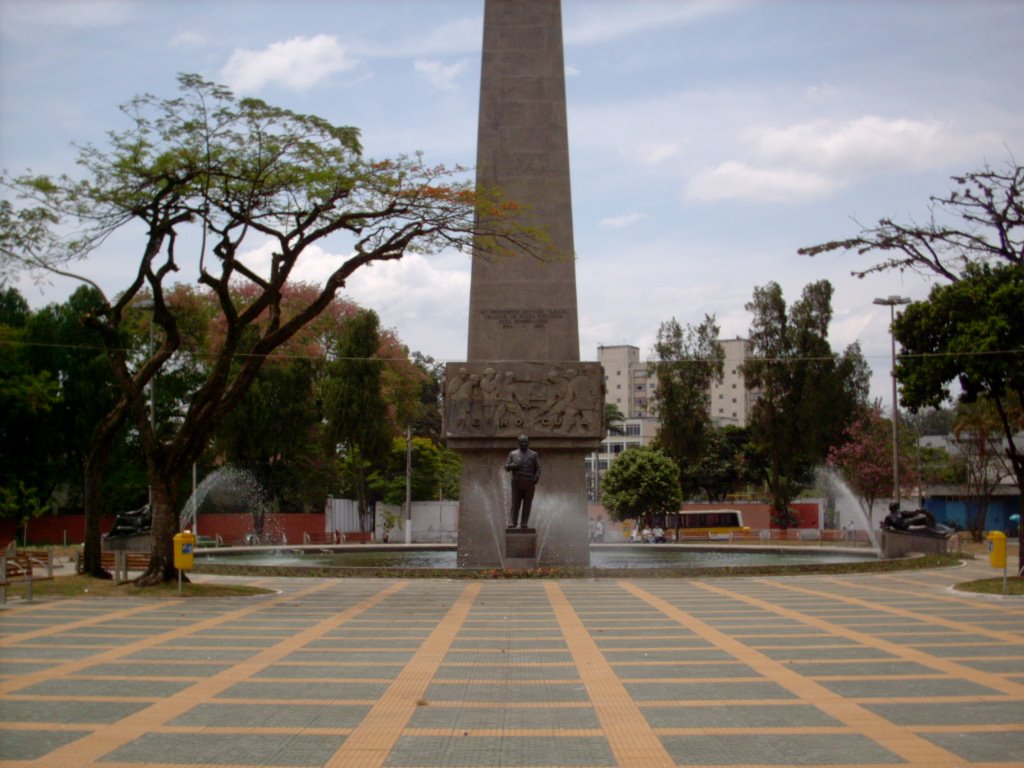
{"x": 239, "y": 192}
{"x": 865, "y": 459}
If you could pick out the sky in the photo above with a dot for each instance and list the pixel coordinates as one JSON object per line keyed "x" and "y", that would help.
{"x": 709, "y": 140}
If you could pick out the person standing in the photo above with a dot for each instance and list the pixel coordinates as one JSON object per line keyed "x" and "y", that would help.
{"x": 524, "y": 464}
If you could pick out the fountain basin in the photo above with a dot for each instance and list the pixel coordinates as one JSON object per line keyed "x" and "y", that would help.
{"x": 606, "y": 560}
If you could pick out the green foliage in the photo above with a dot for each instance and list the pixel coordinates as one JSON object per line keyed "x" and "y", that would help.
{"x": 723, "y": 464}
{"x": 388, "y": 483}
{"x": 689, "y": 361}
{"x": 807, "y": 395}
{"x": 641, "y": 481}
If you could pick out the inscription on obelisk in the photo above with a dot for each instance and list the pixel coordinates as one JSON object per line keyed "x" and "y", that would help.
{"x": 523, "y": 374}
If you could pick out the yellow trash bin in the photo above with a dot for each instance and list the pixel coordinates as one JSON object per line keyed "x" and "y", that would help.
{"x": 184, "y": 548}
{"x": 997, "y": 549}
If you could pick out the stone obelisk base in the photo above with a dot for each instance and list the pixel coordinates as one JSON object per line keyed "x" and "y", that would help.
{"x": 558, "y": 516}
{"x": 520, "y": 548}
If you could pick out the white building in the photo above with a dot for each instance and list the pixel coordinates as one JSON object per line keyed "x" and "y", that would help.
{"x": 631, "y": 385}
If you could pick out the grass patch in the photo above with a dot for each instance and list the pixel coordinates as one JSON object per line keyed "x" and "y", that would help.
{"x": 87, "y": 586}
{"x": 1014, "y": 586}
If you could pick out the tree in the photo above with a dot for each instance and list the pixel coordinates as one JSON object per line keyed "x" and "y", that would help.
{"x": 806, "y": 394}
{"x": 354, "y": 406}
{"x": 641, "y": 482}
{"x": 977, "y": 433}
{"x": 689, "y": 361}
{"x": 722, "y": 466}
{"x": 865, "y": 458}
{"x": 970, "y": 332}
{"x": 979, "y": 223}
{"x": 229, "y": 180}
{"x": 388, "y": 483}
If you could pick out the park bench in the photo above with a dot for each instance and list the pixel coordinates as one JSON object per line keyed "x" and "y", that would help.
{"x": 24, "y": 567}
{"x": 133, "y": 561}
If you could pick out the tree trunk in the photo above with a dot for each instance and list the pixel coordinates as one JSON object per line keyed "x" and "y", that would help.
{"x": 165, "y": 525}
{"x": 95, "y": 469}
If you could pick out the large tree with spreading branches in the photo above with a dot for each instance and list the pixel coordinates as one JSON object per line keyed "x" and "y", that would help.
{"x": 969, "y": 330}
{"x": 236, "y": 192}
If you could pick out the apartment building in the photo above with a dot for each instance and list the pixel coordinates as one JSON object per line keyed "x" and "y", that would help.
{"x": 631, "y": 385}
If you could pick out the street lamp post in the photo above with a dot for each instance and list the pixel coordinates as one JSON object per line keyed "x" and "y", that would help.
{"x": 892, "y": 302}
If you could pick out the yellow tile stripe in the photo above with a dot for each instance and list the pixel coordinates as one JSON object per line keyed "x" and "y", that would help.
{"x": 373, "y": 739}
{"x": 987, "y": 679}
{"x": 630, "y": 737}
{"x": 185, "y": 629}
{"x": 59, "y": 628}
{"x": 896, "y": 739}
{"x": 106, "y": 738}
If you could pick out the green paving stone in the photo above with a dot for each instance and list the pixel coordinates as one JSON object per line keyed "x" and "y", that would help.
{"x": 496, "y": 656}
{"x": 756, "y": 749}
{"x": 56, "y": 712}
{"x": 668, "y": 691}
{"x": 661, "y": 671}
{"x": 115, "y": 688}
{"x": 861, "y": 668}
{"x": 645, "y": 641}
{"x": 508, "y": 692}
{"x": 738, "y": 716}
{"x": 431, "y": 751}
{"x": 12, "y": 669}
{"x": 961, "y": 713}
{"x": 777, "y": 642}
{"x": 837, "y": 653}
{"x": 186, "y": 670}
{"x": 227, "y": 749}
{"x": 992, "y": 747}
{"x": 230, "y": 715}
{"x": 520, "y": 642}
{"x": 682, "y": 654}
{"x": 191, "y": 654}
{"x": 329, "y": 672}
{"x": 505, "y": 673}
{"x": 310, "y": 691}
{"x": 857, "y": 689}
{"x": 384, "y": 656}
{"x": 83, "y": 640}
{"x": 32, "y": 745}
{"x": 973, "y": 651}
{"x": 508, "y": 718}
{"x": 242, "y": 641}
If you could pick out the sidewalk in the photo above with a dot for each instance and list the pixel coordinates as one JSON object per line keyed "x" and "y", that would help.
{"x": 812, "y": 670}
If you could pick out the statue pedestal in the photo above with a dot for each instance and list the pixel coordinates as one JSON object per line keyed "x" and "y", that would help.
{"x": 520, "y": 548}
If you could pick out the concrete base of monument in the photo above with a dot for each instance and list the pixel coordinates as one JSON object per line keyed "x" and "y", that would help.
{"x": 559, "y": 511}
{"x": 520, "y": 548}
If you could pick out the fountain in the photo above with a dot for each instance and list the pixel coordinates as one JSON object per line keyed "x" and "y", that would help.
{"x": 849, "y": 506}
{"x": 232, "y": 489}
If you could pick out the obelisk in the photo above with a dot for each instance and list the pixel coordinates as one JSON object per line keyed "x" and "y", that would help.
{"x": 523, "y": 373}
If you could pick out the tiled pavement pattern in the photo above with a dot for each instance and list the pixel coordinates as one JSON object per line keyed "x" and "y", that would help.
{"x": 872, "y": 670}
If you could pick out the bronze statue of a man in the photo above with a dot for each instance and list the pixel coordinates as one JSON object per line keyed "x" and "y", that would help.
{"x": 525, "y": 468}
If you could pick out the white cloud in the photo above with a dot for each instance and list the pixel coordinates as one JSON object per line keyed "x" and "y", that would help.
{"x": 625, "y": 220}
{"x": 855, "y": 146}
{"x": 298, "y": 63}
{"x": 735, "y": 180}
{"x": 601, "y": 22}
{"x": 571, "y": 71}
{"x": 188, "y": 40}
{"x": 439, "y": 75}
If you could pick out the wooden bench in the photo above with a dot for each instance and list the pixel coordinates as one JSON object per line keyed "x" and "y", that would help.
{"x": 133, "y": 561}
{"x": 24, "y": 567}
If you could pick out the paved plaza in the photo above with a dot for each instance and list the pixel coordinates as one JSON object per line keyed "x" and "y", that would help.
{"x": 866, "y": 670}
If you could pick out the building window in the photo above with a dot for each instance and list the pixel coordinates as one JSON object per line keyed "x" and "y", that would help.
{"x": 633, "y": 429}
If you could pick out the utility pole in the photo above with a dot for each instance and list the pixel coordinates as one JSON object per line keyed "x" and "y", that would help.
{"x": 408, "y": 484}
{"x": 892, "y": 302}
